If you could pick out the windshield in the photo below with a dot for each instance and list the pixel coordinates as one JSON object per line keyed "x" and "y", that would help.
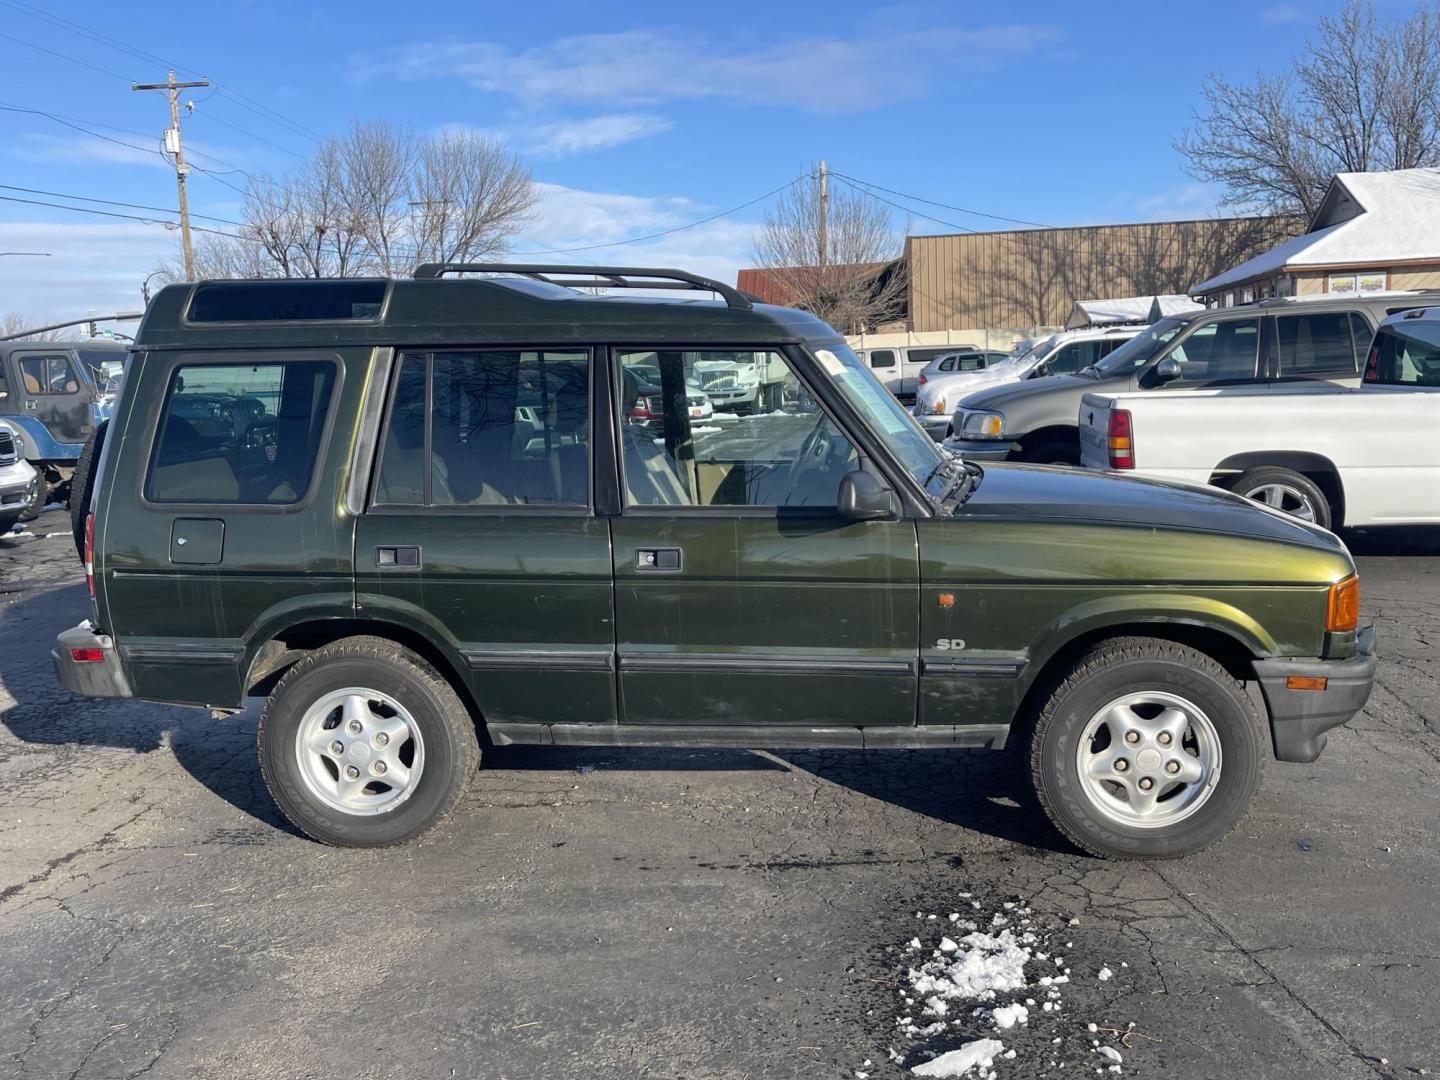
{"x": 915, "y": 449}
{"x": 1141, "y": 349}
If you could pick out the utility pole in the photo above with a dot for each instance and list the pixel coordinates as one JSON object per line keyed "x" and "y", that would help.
{"x": 824, "y": 179}
{"x": 172, "y": 145}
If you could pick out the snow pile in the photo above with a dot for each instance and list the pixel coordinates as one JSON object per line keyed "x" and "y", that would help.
{"x": 1007, "y": 1016}
{"x": 981, "y": 1053}
{"x": 980, "y": 966}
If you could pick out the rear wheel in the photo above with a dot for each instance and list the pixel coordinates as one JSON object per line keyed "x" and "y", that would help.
{"x": 363, "y": 744}
{"x": 1285, "y": 490}
{"x": 1148, "y": 749}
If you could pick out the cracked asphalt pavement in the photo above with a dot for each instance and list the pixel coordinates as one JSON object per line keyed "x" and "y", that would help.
{"x": 717, "y": 914}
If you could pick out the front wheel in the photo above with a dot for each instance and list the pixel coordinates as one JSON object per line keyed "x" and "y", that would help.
{"x": 1148, "y": 749}
{"x": 363, "y": 744}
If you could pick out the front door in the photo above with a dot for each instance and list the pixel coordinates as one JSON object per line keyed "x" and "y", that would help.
{"x": 742, "y": 598}
{"x": 479, "y": 533}
{"x": 53, "y": 392}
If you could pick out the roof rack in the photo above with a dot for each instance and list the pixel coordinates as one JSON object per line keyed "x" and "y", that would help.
{"x": 597, "y": 277}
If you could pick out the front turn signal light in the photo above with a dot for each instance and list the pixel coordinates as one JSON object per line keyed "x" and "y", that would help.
{"x": 1342, "y": 612}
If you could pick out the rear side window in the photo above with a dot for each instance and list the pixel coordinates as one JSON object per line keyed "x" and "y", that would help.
{"x": 1319, "y": 343}
{"x": 882, "y": 358}
{"x": 49, "y": 375}
{"x": 241, "y": 433}
{"x": 1407, "y": 354}
{"x": 948, "y": 364}
{"x": 495, "y": 427}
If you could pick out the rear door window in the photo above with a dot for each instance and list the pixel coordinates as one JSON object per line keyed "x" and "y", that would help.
{"x": 1318, "y": 343}
{"x": 491, "y": 427}
{"x": 241, "y": 433}
{"x": 948, "y": 364}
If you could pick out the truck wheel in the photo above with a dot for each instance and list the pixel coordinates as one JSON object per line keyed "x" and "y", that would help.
{"x": 81, "y": 487}
{"x": 363, "y": 744}
{"x": 1052, "y": 453}
{"x": 1287, "y": 491}
{"x": 1147, "y": 750}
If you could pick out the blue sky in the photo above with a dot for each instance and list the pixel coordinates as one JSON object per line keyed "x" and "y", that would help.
{"x": 634, "y": 117}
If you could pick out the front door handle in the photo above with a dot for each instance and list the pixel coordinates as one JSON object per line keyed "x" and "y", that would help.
{"x": 32, "y": 404}
{"x": 657, "y": 559}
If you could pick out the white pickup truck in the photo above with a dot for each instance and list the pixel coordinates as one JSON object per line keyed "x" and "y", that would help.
{"x": 1366, "y": 455}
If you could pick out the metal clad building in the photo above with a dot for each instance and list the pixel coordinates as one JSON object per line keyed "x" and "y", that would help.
{"x": 1031, "y": 277}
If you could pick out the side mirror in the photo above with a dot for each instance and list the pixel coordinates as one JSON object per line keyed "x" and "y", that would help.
{"x": 865, "y": 497}
{"x": 1040, "y": 372}
{"x": 1168, "y": 370}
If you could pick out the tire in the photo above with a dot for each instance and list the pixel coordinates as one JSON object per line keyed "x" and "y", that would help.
{"x": 433, "y": 726}
{"x": 1285, "y": 490}
{"x": 1052, "y": 453}
{"x": 1185, "y": 817}
{"x": 81, "y": 489}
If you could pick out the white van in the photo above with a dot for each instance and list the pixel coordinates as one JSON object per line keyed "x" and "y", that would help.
{"x": 899, "y": 366}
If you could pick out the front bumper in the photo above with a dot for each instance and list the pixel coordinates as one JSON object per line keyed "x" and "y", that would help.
{"x": 936, "y": 425}
{"x": 92, "y": 678}
{"x": 1299, "y": 719}
{"x": 981, "y": 449}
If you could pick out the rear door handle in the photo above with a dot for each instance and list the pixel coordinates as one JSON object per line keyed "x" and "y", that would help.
{"x": 397, "y": 558}
{"x": 652, "y": 559}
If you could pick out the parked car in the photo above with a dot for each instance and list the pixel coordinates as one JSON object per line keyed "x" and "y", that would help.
{"x": 898, "y": 367}
{"x": 17, "y": 480}
{"x": 396, "y": 561}
{"x": 1321, "y": 338}
{"x": 1059, "y": 354}
{"x": 1325, "y": 453}
{"x": 49, "y": 395}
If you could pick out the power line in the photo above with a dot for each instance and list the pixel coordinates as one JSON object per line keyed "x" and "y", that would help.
{"x": 945, "y": 206}
{"x": 64, "y": 56}
{"x": 113, "y": 202}
{"x": 77, "y": 126}
{"x": 127, "y": 217}
{"x": 264, "y": 111}
{"x": 666, "y": 232}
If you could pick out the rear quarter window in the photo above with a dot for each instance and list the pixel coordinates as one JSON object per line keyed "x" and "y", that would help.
{"x": 1406, "y": 354}
{"x": 241, "y": 433}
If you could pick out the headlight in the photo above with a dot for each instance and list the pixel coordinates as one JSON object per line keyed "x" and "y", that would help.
{"x": 983, "y": 425}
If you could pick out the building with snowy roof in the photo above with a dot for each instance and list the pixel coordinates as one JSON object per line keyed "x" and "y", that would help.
{"x": 1374, "y": 232}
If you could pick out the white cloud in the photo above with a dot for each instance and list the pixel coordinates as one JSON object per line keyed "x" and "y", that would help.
{"x": 94, "y": 268}
{"x": 1279, "y": 14}
{"x": 564, "y": 137}
{"x": 84, "y": 150}
{"x": 1188, "y": 201}
{"x": 822, "y": 74}
{"x": 571, "y": 218}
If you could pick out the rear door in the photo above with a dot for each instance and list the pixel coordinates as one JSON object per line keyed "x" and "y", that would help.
{"x": 886, "y": 366}
{"x": 225, "y": 511}
{"x": 55, "y": 393}
{"x": 481, "y": 533}
{"x": 742, "y": 598}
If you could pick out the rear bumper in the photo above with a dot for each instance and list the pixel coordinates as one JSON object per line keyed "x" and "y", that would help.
{"x": 1299, "y": 719}
{"x": 92, "y": 678}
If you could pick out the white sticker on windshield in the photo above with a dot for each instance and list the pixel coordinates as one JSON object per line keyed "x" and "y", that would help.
{"x": 830, "y": 362}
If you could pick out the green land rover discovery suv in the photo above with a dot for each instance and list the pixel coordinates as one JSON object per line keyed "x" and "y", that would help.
{"x": 419, "y": 514}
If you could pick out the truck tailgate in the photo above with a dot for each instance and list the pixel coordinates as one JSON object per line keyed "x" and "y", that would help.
{"x": 1094, "y": 430}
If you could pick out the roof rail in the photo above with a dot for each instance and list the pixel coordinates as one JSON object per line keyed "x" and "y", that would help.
{"x": 597, "y": 277}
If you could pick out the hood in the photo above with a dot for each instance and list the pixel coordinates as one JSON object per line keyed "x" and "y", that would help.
{"x": 1075, "y": 495}
{"x": 1030, "y": 389}
{"x": 955, "y": 384}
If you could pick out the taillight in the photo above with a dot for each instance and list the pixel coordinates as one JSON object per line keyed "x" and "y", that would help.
{"x": 1121, "y": 440}
{"x": 923, "y": 379}
{"x": 1372, "y": 363}
{"x": 90, "y": 553}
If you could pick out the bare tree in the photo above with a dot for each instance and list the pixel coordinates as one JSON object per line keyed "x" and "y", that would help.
{"x": 840, "y": 265}
{"x": 376, "y": 200}
{"x": 13, "y": 322}
{"x": 1361, "y": 97}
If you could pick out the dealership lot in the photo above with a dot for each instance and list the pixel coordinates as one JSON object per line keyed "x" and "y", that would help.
{"x": 685, "y": 913}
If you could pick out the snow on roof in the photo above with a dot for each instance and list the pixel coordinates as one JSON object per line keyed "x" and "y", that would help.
{"x": 1127, "y": 309}
{"x": 1398, "y": 220}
